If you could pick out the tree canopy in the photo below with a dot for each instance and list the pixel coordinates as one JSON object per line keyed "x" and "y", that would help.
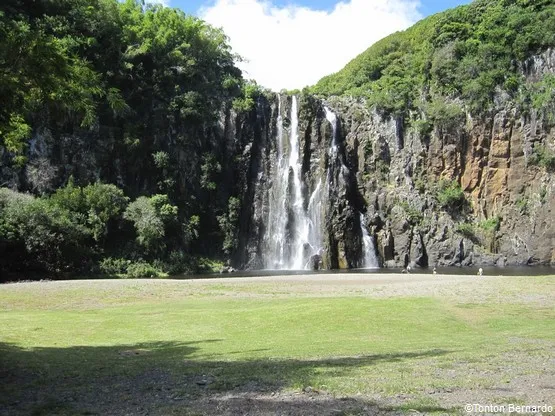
{"x": 466, "y": 52}
{"x": 102, "y": 61}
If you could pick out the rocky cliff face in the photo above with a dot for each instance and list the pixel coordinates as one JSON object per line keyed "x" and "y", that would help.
{"x": 362, "y": 163}
{"x": 393, "y": 174}
{"x": 327, "y": 185}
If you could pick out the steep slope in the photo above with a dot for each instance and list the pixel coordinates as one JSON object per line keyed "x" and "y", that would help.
{"x": 465, "y": 53}
{"x": 449, "y": 126}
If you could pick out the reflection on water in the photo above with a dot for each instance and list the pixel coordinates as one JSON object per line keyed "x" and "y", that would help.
{"x": 488, "y": 271}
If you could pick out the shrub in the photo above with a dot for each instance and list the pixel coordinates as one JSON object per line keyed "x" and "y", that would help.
{"x": 543, "y": 194}
{"x": 543, "y": 157}
{"x": 10, "y": 203}
{"x": 543, "y": 96}
{"x": 143, "y": 270}
{"x": 450, "y": 195}
{"x": 161, "y": 159}
{"x": 490, "y": 228}
{"x": 40, "y": 234}
{"x": 60, "y": 233}
{"x": 250, "y": 92}
{"x": 150, "y": 216}
{"x": 112, "y": 266}
{"x": 492, "y": 224}
{"x": 206, "y": 265}
{"x": 467, "y": 230}
{"x": 444, "y": 114}
{"x": 210, "y": 168}
{"x": 414, "y": 215}
{"x": 178, "y": 262}
{"x": 229, "y": 224}
{"x": 54, "y": 238}
{"x": 522, "y": 203}
{"x": 97, "y": 204}
{"x": 148, "y": 224}
{"x": 191, "y": 229}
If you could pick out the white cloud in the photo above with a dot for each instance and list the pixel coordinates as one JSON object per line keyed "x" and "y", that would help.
{"x": 165, "y": 3}
{"x": 293, "y": 46}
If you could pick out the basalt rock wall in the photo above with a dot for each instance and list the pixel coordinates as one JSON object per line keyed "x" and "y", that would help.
{"x": 394, "y": 174}
{"x": 365, "y": 163}
{"x": 506, "y": 218}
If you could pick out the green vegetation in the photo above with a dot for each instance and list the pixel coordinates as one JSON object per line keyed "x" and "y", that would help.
{"x": 541, "y": 97}
{"x": 523, "y": 204}
{"x": 492, "y": 224}
{"x": 489, "y": 229}
{"x": 229, "y": 223}
{"x": 483, "y": 233}
{"x": 413, "y": 214}
{"x": 151, "y": 217}
{"x": 543, "y": 157}
{"x": 158, "y": 339}
{"x": 450, "y": 195}
{"x": 467, "y": 229}
{"x": 109, "y": 62}
{"x": 249, "y": 94}
{"x": 135, "y": 88}
{"x": 467, "y": 53}
{"x": 94, "y": 228}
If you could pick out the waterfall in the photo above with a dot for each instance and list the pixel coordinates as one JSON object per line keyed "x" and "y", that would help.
{"x": 297, "y": 200}
{"x": 293, "y": 233}
{"x": 332, "y": 118}
{"x": 369, "y": 259}
{"x": 275, "y": 256}
{"x": 301, "y": 223}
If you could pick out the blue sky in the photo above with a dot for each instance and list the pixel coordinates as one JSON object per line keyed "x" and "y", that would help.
{"x": 293, "y": 43}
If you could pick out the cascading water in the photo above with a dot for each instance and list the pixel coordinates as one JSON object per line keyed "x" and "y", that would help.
{"x": 297, "y": 204}
{"x": 369, "y": 259}
{"x": 300, "y": 228}
{"x": 277, "y": 219}
{"x": 332, "y": 118}
{"x": 292, "y": 239}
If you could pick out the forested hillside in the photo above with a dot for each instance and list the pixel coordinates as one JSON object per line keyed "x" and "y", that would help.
{"x": 469, "y": 52}
{"x": 101, "y": 91}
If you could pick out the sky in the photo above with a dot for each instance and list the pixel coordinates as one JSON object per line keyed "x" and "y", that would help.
{"x": 289, "y": 44}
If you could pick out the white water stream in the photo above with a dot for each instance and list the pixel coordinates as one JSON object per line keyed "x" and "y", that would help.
{"x": 295, "y": 238}
{"x": 369, "y": 259}
{"x": 294, "y": 231}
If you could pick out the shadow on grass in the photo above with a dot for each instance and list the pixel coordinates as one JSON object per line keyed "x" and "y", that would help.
{"x": 169, "y": 378}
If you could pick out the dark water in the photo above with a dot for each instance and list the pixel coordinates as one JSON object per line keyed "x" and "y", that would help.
{"x": 488, "y": 271}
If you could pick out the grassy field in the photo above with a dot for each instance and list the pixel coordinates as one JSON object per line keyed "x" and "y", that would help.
{"x": 303, "y": 347}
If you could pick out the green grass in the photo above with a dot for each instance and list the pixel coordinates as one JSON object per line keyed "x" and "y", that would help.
{"x": 344, "y": 346}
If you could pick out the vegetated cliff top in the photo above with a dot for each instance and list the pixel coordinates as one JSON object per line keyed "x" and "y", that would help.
{"x": 464, "y": 52}
{"x": 109, "y": 62}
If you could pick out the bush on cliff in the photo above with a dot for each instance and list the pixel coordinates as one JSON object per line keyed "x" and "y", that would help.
{"x": 151, "y": 216}
{"x": 450, "y": 195}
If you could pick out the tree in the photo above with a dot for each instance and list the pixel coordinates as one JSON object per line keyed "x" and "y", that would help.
{"x": 150, "y": 217}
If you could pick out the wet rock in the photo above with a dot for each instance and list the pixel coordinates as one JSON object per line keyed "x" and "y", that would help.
{"x": 316, "y": 262}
